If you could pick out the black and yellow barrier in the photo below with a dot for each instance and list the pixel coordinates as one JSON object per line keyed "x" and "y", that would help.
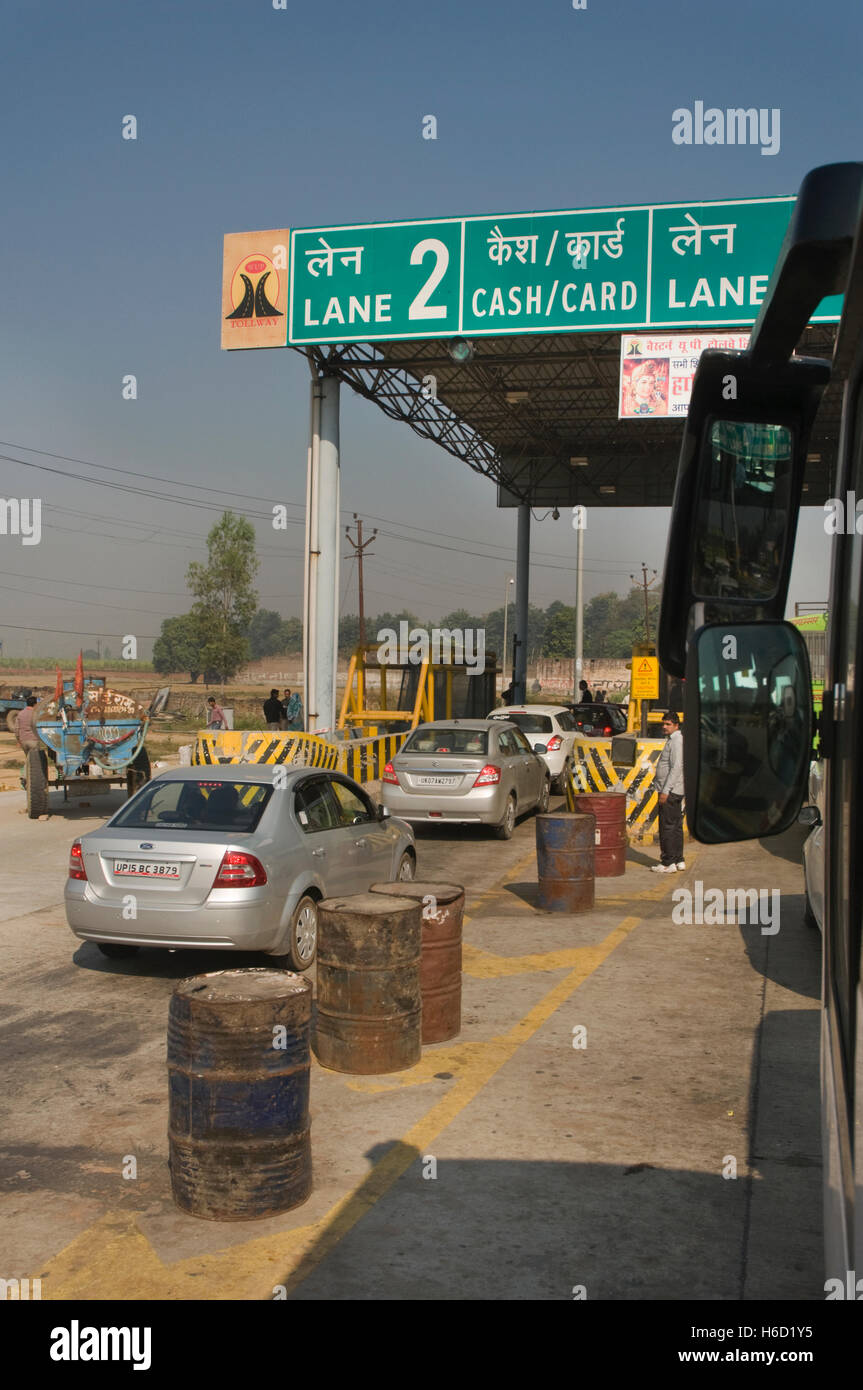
{"x": 364, "y": 759}
{"x": 594, "y": 771}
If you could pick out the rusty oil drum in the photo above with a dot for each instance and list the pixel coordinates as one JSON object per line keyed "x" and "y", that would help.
{"x": 564, "y": 861}
{"x": 610, "y": 811}
{"x": 440, "y": 968}
{"x": 369, "y": 1006}
{"x": 238, "y": 1068}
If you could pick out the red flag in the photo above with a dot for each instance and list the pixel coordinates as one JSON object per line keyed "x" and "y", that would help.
{"x": 79, "y": 677}
{"x": 58, "y": 688}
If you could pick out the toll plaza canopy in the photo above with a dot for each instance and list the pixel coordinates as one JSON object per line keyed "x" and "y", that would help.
{"x": 552, "y": 351}
{"x": 500, "y": 337}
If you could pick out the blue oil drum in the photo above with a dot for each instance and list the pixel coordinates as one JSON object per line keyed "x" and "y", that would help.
{"x": 565, "y": 861}
{"x": 238, "y": 1068}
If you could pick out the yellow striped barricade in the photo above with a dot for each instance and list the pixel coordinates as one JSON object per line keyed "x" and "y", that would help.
{"x": 364, "y": 759}
{"x": 245, "y": 746}
{"x": 593, "y": 771}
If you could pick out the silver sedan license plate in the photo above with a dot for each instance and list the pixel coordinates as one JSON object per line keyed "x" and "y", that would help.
{"x": 133, "y": 868}
{"x": 437, "y": 781}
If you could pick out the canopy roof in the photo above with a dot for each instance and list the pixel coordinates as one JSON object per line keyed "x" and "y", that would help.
{"x": 524, "y": 443}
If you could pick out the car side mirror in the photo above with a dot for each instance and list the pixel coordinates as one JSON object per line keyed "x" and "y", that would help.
{"x": 381, "y": 812}
{"x": 747, "y": 733}
{"x": 540, "y": 748}
{"x": 809, "y": 816}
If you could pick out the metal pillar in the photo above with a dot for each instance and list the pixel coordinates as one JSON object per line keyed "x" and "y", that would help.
{"x": 579, "y": 614}
{"x": 321, "y": 626}
{"x": 522, "y": 592}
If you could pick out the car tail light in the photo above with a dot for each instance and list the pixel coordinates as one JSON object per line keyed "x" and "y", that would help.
{"x": 240, "y": 870}
{"x": 554, "y": 743}
{"x": 390, "y": 775}
{"x": 489, "y": 774}
{"x": 76, "y": 861}
{"x": 607, "y": 729}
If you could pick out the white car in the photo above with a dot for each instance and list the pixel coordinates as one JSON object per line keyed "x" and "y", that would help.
{"x": 552, "y": 725}
{"x": 813, "y": 847}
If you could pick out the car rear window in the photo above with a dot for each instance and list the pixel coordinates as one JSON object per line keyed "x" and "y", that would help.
{"x": 473, "y": 742}
{"x": 532, "y": 723}
{"x": 196, "y": 805}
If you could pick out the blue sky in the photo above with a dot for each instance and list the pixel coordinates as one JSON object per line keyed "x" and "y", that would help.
{"x": 251, "y": 117}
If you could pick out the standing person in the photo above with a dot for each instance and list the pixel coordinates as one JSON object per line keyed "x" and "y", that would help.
{"x": 215, "y": 714}
{"x": 585, "y": 698}
{"x": 24, "y": 731}
{"x": 294, "y": 711}
{"x": 273, "y": 710}
{"x": 283, "y": 722}
{"x": 669, "y": 785}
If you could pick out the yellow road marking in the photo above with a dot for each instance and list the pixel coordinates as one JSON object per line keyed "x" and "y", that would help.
{"x": 114, "y": 1259}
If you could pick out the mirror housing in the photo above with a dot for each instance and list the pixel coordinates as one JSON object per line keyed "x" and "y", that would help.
{"x": 737, "y": 495}
{"x": 381, "y": 811}
{"x": 540, "y": 748}
{"x": 747, "y": 733}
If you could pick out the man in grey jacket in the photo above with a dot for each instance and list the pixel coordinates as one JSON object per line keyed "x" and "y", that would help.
{"x": 669, "y": 786}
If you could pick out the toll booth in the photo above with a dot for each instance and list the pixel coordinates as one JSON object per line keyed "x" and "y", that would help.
{"x": 412, "y": 692}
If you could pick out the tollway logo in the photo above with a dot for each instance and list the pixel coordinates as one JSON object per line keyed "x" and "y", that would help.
{"x": 748, "y": 906}
{"x": 77, "y": 1343}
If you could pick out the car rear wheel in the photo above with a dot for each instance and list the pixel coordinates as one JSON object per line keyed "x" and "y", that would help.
{"x": 507, "y": 825}
{"x": 407, "y": 868}
{"x": 561, "y": 781}
{"x": 302, "y": 935}
{"x": 115, "y": 951}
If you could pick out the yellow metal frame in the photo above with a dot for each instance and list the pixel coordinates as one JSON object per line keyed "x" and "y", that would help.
{"x": 354, "y": 712}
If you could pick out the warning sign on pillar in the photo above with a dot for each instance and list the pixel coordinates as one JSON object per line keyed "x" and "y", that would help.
{"x": 645, "y": 678}
{"x": 255, "y": 289}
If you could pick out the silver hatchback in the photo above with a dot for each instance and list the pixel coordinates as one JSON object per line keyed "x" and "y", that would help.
{"x": 232, "y": 858}
{"x": 466, "y": 770}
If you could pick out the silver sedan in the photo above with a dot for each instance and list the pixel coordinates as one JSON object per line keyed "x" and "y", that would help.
{"x": 465, "y": 770}
{"x": 233, "y": 858}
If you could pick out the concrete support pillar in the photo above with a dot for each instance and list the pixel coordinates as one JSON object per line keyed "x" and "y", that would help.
{"x": 321, "y": 626}
{"x": 522, "y": 594}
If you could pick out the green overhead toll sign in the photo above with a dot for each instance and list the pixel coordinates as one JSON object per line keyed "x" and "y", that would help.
{"x": 660, "y": 266}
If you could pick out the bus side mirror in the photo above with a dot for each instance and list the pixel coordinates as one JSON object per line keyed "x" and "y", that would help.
{"x": 747, "y": 733}
{"x": 737, "y": 496}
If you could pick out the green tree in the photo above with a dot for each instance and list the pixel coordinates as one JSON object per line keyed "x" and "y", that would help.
{"x": 291, "y": 635}
{"x": 265, "y": 633}
{"x": 225, "y": 599}
{"x": 559, "y": 642}
{"x": 179, "y": 647}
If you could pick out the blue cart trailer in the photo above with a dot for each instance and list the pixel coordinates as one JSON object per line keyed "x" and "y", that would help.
{"x": 10, "y": 705}
{"x": 90, "y": 739}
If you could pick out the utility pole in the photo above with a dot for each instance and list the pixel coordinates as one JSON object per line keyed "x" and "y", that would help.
{"x": 646, "y": 584}
{"x": 359, "y": 546}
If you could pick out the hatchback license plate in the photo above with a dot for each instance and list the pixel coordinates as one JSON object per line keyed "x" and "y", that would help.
{"x": 131, "y": 868}
{"x": 437, "y": 781}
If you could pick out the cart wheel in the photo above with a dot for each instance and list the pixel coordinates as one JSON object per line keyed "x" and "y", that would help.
{"x": 138, "y": 772}
{"x": 37, "y": 784}
{"x": 12, "y": 720}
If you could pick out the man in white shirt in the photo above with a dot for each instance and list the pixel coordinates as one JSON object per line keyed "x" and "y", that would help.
{"x": 669, "y": 786}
